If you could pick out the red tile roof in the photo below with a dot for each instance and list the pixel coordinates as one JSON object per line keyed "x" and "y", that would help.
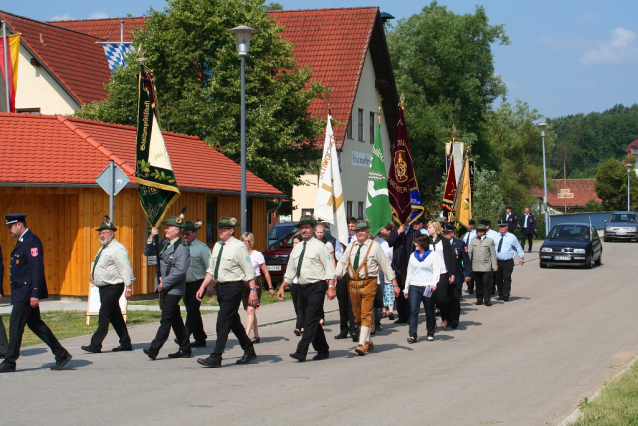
{"x": 108, "y": 29}
{"x": 74, "y": 58}
{"x": 583, "y": 190}
{"x": 631, "y": 145}
{"x": 60, "y": 150}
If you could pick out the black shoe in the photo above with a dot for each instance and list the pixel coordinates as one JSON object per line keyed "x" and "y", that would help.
{"x": 152, "y": 353}
{"x": 7, "y": 368}
{"x": 2, "y": 355}
{"x": 212, "y": 362}
{"x": 180, "y": 354}
{"x": 247, "y": 358}
{"x": 198, "y": 344}
{"x": 401, "y": 321}
{"x": 506, "y": 298}
{"x": 342, "y": 335}
{"x": 391, "y": 316}
{"x": 321, "y": 355}
{"x": 91, "y": 349}
{"x": 297, "y": 332}
{"x": 60, "y": 363}
{"x": 379, "y": 328}
{"x": 488, "y": 303}
{"x": 299, "y": 357}
{"x": 455, "y": 324}
{"x": 470, "y": 292}
{"x": 479, "y": 302}
{"x": 122, "y": 348}
{"x": 499, "y": 298}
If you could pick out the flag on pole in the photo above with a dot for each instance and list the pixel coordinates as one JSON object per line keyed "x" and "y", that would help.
{"x": 116, "y": 54}
{"x": 153, "y": 169}
{"x": 405, "y": 199}
{"x": 329, "y": 205}
{"x": 450, "y": 188}
{"x": 378, "y": 210}
{"x": 463, "y": 200}
{"x": 10, "y": 48}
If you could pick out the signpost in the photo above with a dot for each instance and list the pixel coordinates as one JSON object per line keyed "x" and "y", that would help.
{"x": 112, "y": 180}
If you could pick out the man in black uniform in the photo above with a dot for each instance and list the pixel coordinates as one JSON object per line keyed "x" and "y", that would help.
{"x": 462, "y": 273}
{"x": 511, "y": 219}
{"x": 4, "y": 343}
{"x": 28, "y": 286}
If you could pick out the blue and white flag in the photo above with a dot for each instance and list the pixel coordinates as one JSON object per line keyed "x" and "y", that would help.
{"x": 116, "y": 54}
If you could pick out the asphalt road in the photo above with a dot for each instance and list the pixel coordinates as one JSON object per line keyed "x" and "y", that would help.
{"x": 529, "y": 361}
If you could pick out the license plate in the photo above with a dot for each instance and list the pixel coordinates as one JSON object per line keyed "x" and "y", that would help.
{"x": 561, "y": 257}
{"x": 274, "y": 267}
{"x": 621, "y": 233}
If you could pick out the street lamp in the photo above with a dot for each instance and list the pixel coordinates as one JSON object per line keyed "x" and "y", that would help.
{"x": 543, "y": 127}
{"x": 242, "y": 39}
{"x": 630, "y": 167}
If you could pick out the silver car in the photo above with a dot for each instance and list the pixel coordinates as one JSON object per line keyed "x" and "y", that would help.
{"x": 621, "y": 226}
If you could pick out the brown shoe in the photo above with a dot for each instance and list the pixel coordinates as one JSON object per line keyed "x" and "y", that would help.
{"x": 369, "y": 346}
{"x": 360, "y": 350}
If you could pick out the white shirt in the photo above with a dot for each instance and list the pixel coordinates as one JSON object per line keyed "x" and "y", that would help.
{"x": 257, "y": 259}
{"x": 387, "y": 250}
{"x": 422, "y": 274}
{"x": 439, "y": 254}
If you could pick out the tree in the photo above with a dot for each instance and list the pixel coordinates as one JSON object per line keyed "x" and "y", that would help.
{"x": 611, "y": 185}
{"x": 197, "y": 74}
{"x": 272, "y": 6}
{"x": 444, "y": 64}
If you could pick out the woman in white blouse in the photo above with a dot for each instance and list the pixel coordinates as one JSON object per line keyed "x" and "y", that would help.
{"x": 261, "y": 272}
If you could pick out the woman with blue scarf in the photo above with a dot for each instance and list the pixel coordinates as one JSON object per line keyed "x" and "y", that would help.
{"x": 420, "y": 286}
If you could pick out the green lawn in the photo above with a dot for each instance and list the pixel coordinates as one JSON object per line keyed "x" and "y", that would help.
{"x": 617, "y": 404}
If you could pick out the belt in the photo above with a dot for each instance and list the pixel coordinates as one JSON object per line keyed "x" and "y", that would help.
{"x": 228, "y": 282}
{"x": 309, "y": 284}
{"x": 508, "y": 260}
{"x": 196, "y": 281}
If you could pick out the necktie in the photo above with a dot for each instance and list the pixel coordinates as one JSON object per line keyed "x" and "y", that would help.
{"x": 303, "y": 251}
{"x": 97, "y": 257}
{"x": 218, "y": 261}
{"x": 356, "y": 257}
{"x": 500, "y": 244}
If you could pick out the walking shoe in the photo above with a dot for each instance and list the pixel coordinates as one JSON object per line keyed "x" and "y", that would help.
{"x": 411, "y": 339}
{"x": 299, "y": 357}
{"x": 321, "y": 355}
{"x": 122, "y": 348}
{"x": 151, "y": 353}
{"x": 369, "y": 346}
{"x": 479, "y": 302}
{"x": 180, "y": 354}
{"x": 391, "y": 316}
{"x": 430, "y": 338}
{"x": 360, "y": 350}
{"x": 198, "y": 344}
{"x": 354, "y": 336}
{"x": 60, "y": 363}
{"x": 247, "y": 358}
{"x": 342, "y": 335}
{"x": 488, "y": 303}
{"x": 211, "y": 362}
{"x": 7, "y": 368}
{"x": 91, "y": 349}
{"x": 455, "y": 324}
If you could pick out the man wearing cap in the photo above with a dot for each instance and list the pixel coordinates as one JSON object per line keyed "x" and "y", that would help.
{"x": 200, "y": 256}
{"x": 28, "y": 286}
{"x": 483, "y": 257}
{"x": 4, "y": 342}
{"x": 461, "y": 273}
{"x": 471, "y": 233}
{"x": 511, "y": 219}
{"x": 113, "y": 275}
{"x": 489, "y": 232}
{"x": 311, "y": 263}
{"x": 528, "y": 227}
{"x": 229, "y": 266}
{"x": 362, "y": 260}
{"x": 506, "y": 247}
{"x": 173, "y": 262}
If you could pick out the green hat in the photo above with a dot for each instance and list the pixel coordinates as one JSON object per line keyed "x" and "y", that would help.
{"x": 107, "y": 224}
{"x": 480, "y": 227}
{"x": 362, "y": 224}
{"x": 307, "y": 220}
{"x": 175, "y": 221}
{"x": 227, "y": 222}
{"x": 189, "y": 225}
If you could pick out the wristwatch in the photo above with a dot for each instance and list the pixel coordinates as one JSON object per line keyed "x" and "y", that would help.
{"x": 253, "y": 288}
{"x": 331, "y": 286}
{"x": 128, "y": 289}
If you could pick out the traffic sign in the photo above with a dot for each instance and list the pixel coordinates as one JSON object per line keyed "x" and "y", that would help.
{"x": 112, "y": 179}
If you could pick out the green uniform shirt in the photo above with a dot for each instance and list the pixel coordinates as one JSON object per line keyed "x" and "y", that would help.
{"x": 376, "y": 259}
{"x": 316, "y": 265}
{"x": 200, "y": 256}
{"x": 113, "y": 266}
{"x": 235, "y": 264}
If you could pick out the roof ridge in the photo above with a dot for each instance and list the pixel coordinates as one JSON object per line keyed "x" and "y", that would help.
{"x": 49, "y": 23}
{"x": 124, "y": 126}
{"x": 97, "y": 145}
{"x": 99, "y": 19}
{"x": 322, "y": 9}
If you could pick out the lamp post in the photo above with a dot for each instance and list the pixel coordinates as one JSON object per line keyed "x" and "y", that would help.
{"x": 630, "y": 167}
{"x": 242, "y": 40}
{"x": 543, "y": 127}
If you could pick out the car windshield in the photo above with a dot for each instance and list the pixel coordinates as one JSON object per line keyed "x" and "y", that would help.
{"x": 278, "y": 231}
{"x": 569, "y": 232}
{"x": 623, "y": 217}
{"x": 285, "y": 240}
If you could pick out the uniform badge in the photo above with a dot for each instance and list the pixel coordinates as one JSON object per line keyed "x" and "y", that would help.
{"x": 328, "y": 257}
{"x": 248, "y": 259}
{"x": 34, "y": 251}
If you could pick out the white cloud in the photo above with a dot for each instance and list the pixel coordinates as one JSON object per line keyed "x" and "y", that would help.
{"x": 65, "y": 17}
{"x": 98, "y": 15}
{"x": 621, "y": 49}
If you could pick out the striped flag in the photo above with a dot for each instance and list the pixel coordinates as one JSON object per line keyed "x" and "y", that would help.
{"x": 10, "y": 50}
{"x": 116, "y": 54}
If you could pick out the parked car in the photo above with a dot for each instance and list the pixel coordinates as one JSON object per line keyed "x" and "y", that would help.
{"x": 621, "y": 226}
{"x": 571, "y": 244}
{"x": 276, "y": 256}
{"x": 280, "y": 230}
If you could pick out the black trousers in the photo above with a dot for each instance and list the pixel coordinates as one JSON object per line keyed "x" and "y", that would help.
{"x": 171, "y": 318}
{"x": 346, "y": 317}
{"x": 194, "y": 324}
{"x": 470, "y": 285}
{"x": 483, "y": 281}
{"x": 311, "y": 297}
{"x": 454, "y": 301}
{"x": 23, "y": 314}
{"x": 503, "y": 277}
{"x": 229, "y": 298}
{"x": 294, "y": 293}
{"x": 110, "y": 312}
{"x": 527, "y": 237}
{"x": 442, "y": 299}
{"x": 4, "y": 342}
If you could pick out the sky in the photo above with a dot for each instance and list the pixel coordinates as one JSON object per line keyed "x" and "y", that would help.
{"x": 566, "y": 57}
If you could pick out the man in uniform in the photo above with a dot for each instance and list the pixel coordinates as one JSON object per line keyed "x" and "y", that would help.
{"x": 401, "y": 240}
{"x": 346, "y": 318}
{"x": 113, "y": 275}
{"x": 311, "y": 263}
{"x": 489, "y": 232}
{"x": 228, "y": 268}
{"x": 528, "y": 227}
{"x": 506, "y": 247}
{"x": 4, "y": 342}
{"x": 471, "y": 233}
{"x": 173, "y": 262}
{"x": 362, "y": 261}
{"x": 461, "y": 273}
{"x": 28, "y": 286}
{"x": 483, "y": 257}
{"x": 511, "y": 219}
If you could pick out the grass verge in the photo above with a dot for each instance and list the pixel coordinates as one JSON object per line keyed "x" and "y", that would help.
{"x": 617, "y": 404}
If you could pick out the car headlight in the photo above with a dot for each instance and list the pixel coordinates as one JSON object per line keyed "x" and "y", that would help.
{"x": 632, "y": 229}
{"x": 579, "y": 251}
{"x": 546, "y": 250}
{"x": 607, "y": 229}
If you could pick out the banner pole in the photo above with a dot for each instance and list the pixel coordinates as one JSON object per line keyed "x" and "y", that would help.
{"x": 5, "y": 40}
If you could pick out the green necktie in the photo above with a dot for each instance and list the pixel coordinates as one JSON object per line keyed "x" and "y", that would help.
{"x": 301, "y": 259}
{"x": 97, "y": 257}
{"x": 218, "y": 261}
{"x": 356, "y": 257}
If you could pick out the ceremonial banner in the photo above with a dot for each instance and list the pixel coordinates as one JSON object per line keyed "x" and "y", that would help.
{"x": 329, "y": 205}
{"x": 463, "y": 200}
{"x": 10, "y": 48}
{"x": 153, "y": 169}
{"x": 378, "y": 210}
{"x": 405, "y": 199}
